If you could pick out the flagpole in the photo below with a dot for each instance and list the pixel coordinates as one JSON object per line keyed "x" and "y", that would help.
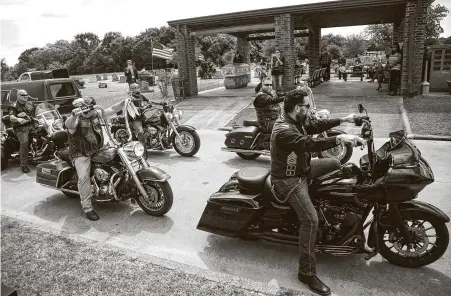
{"x": 151, "y": 52}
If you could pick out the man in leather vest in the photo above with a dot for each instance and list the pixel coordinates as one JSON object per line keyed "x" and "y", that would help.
{"x": 21, "y": 114}
{"x": 267, "y": 106}
{"x": 85, "y": 140}
{"x": 292, "y": 169}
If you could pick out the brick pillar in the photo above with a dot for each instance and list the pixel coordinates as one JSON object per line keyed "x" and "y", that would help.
{"x": 284, "y": 34}
{"x": 242, "y": 45}
{"x": 398, "y": 31}
{"x": 187, "y": 60}
{"x": 314, "y": 43}
{"x": 418, "y": 46}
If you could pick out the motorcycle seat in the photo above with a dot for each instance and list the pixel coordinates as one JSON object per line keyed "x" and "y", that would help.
{"x": 252, "y": 178}
{"x": 63, "y": 154}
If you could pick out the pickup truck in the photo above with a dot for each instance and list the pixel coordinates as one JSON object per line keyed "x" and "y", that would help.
{"x": 60, "y": 91}
{"x": 42, "y": 75}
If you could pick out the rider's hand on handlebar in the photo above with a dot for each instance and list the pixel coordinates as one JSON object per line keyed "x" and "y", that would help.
{"x": 350, "y": 118}
{"x": 21, "y": 120}
{"x": 353, "y": 140}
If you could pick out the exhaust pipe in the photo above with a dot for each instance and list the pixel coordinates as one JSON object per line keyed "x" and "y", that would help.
{"x": 262, "y": 152}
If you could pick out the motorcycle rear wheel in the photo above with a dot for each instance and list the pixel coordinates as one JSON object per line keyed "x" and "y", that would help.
{"x": 248, "y": 155}
{"x": 420, "y": 225}
{"x": 161, "y": 192}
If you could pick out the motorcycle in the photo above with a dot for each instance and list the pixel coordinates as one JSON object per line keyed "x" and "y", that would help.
{"x": 46, "y": 122}
{"x": 249, "y": 141}
{"x": 118, "y": 172}
{"x": 162, "y": 130}
{"x": 404, "y": 231}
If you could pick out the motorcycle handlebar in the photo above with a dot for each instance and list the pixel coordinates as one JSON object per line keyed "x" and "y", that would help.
{"x": 359, "y": 120}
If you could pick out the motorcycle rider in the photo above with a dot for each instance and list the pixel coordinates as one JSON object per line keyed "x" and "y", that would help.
{"x": 267, "y": 106}
{"x": 20, "y": 114}
{"x": 85, "y": 140}
{"x": 292, "y": 169}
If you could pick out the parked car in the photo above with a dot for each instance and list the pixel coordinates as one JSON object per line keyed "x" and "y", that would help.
{"x": 43, "y": 75}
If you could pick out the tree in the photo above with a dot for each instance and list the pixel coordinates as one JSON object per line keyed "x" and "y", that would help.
{"x": 355, "y": 45}
{"x": 381, "y": 35}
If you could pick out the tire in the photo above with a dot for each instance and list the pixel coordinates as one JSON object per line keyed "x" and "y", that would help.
{"x": 71, "y": 195}
{"x": 248, "y": 156}
{"x": 4, "y": 159}
{"x": 426, "y": 257}
{"x": 164, "y": 191}
{"x": 194, "y": 137}
{"x": 345, "y": 157}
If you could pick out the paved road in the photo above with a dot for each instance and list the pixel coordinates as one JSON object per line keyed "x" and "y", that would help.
{"x": 174, "y": 237}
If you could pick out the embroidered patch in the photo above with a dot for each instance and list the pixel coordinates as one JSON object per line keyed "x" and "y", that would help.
{"x": 291, "y": 164}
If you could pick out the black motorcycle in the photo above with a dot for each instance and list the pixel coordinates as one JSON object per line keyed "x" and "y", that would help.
{"x": 118, "y": 172}
{"x": 162, "y": 129}
{"x": 250, "y": 140}
{"x": 404, "y": 231}
{"x": 46, "y": 122}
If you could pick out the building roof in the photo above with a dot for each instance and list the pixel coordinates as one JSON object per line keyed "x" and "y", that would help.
{"x": 323, "y": 15}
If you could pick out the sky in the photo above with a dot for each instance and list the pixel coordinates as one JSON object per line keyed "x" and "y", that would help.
{"x": 29, "y": 23}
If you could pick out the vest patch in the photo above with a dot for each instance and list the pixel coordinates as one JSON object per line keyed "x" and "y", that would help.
{"x": 292, "y": 159}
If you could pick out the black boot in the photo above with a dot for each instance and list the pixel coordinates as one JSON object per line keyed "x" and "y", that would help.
{"x": 314, "y": 283}
{"x": 25, "y": 169}
{"x": 91, "y": 215}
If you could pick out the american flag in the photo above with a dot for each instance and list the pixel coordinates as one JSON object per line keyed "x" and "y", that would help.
{"x": 161, "y": 51}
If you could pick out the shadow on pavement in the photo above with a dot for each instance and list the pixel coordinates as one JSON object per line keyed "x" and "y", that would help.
{"x": 262, "y": 261}
{"x": 115, "y": 217}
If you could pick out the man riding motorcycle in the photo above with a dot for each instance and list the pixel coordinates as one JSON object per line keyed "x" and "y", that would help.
{"x": 266, "y": 105}
{"x": 292, "y": 169}
{"x": 85, "y": 140}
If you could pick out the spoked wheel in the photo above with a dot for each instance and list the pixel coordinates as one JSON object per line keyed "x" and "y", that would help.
{"x": 160, "y": 198}
{"x": 190, "y": 143}
{"x": 342, "y": 152}
{"x": 248, "y": 155}
{"x": 429, "y": 239}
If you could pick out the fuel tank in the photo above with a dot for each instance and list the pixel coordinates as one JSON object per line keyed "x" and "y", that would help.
{"x": 338, "y": 186}
{"x": 105, "y": 155}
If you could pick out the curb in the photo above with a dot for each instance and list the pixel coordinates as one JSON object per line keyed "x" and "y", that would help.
{"x": 410, "y": 135}
{"x": 428, "y": 137}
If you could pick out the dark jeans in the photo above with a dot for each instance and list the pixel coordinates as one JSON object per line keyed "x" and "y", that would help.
{"x": 395, "y": 80}
{"x": 23, "y": 135}
{"x": 327, "y": 73}
{"x": 297, "y": 189}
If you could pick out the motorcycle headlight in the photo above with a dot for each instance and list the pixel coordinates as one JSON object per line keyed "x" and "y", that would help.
{"x": 134, "y": 149}
{"x": 58, "y": 124}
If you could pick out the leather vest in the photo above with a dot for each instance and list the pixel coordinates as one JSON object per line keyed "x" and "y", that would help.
{"x": 87, "y": 139}
{"x": 267, "y": 113}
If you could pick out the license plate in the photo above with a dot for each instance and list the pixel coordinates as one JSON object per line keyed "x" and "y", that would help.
{"x": 47, "y": 171}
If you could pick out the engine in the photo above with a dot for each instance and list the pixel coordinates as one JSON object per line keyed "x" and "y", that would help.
{"x": 153, "y": 136}
{"x": 336, "y": 222}
{"x": 102, "y": 178}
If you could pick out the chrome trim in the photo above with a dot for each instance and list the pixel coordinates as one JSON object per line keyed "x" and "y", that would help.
{"x": 60, "y": 189}
{"x": 127, "y": 163}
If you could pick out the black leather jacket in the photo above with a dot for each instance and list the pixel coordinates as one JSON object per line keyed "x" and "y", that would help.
{"x": 292, "y": 143}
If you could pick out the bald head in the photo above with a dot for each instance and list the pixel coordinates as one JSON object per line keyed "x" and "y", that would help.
{"x": 22, "y": 96}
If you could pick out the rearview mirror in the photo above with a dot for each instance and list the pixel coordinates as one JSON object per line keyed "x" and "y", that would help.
{"x": 361, "y": 109}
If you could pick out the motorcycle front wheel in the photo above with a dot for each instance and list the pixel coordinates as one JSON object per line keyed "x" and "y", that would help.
{"x": 429, "y": 240}
{"x": 160, "y": 198}
{"x": 191, "y": 142}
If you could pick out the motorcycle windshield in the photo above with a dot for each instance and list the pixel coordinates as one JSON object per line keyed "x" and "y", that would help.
{"x": 47, "y": 112}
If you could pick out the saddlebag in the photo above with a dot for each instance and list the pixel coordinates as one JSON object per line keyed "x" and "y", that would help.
{"x": 230, "y": 213}
{"x": 242, "y": 137}
{"x": 54, "y": 173}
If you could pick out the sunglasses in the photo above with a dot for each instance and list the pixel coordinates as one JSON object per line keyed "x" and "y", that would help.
{"x": 267, "y": 84}
{"x": 23, "y": 95}
{"x": 306, "y": 105}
